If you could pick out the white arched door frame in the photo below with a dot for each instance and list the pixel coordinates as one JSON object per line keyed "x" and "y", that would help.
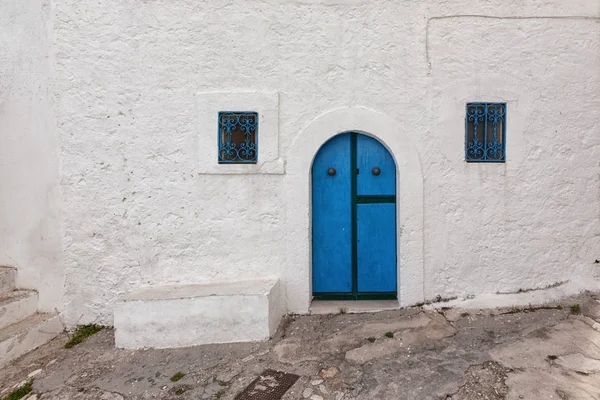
{"x": 409, "y": 192}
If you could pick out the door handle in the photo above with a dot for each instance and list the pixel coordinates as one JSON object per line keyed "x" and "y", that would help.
{"x": 331, "y": 171}
{"x": 376, "y": 171}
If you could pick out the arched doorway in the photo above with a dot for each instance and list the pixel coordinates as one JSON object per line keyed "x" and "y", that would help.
{"x": 354, "y": 220}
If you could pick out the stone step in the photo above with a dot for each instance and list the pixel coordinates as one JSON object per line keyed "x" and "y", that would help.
{"x": 189, "y": 315}
{"x": 28, "y": 334}
{"x": 16, "y": 306}
{"x": 8, "y": 278}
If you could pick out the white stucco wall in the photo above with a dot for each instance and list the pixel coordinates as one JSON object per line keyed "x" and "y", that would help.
{"x": 138, "y": 211}
{"x": 30, "y": 237}
{"x": 535, "y": 220}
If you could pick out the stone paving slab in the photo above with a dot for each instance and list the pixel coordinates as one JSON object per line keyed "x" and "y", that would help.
{"x": 414, "y": 353}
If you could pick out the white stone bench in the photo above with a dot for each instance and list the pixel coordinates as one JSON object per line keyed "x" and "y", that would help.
{"x": 189, "y": 315}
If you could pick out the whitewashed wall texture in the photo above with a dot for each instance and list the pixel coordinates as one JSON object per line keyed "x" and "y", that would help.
{"x": 124, "y": 86}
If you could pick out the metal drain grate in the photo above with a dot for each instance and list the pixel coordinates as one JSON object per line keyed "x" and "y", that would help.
{"x": 270, "y": 385}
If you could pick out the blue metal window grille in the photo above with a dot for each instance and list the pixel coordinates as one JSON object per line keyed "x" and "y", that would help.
{"x": 485, "y": 132}
{"x": 238, "y": 132}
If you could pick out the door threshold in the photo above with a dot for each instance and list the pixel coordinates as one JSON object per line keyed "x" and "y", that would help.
{"x": 319, "y": 307}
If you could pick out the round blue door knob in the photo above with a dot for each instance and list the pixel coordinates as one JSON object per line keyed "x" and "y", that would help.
{"x": 331, "y": 171}
{"x": 376, "y": 171}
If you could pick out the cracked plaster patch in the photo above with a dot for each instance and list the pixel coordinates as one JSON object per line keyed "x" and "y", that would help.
{"x": 71, "y": 393}
{"x": 422, "y": 328}
{"x": 579, "y": 363}
{"x": 294, "y": 352}
{"x": 484, "y": 381}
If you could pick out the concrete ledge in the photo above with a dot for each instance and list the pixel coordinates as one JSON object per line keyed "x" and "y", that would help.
{"x": 16, "y": 306}
{"x": 8, "y": 277}
{"x": 323, "y": 307}
{"x": 532, "y": 297}
{"x": 29, "y": 334}
{"x": 189, "y": 315}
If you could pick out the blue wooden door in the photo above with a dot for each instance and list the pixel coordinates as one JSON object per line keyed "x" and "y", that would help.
{"x": 332, "y": 217}
{"x": 354, "y": 219}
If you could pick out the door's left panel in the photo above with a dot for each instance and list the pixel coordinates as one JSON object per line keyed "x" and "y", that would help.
{"x": 331, "y": 217}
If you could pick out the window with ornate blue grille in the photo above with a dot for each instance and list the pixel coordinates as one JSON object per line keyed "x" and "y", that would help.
{"x": 485, "y": 132}
{"x": 238, "y": 132}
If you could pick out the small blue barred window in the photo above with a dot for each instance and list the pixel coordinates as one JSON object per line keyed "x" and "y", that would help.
{"x": 238, "y": 131}
{"x": 485, "y": 132}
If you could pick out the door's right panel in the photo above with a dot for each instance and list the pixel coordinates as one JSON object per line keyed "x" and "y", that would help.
{"x": 376, "y": 247}
{"x": 372, "y": 154}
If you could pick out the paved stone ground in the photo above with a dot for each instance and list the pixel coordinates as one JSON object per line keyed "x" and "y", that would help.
{"x": 445, "y": 354}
